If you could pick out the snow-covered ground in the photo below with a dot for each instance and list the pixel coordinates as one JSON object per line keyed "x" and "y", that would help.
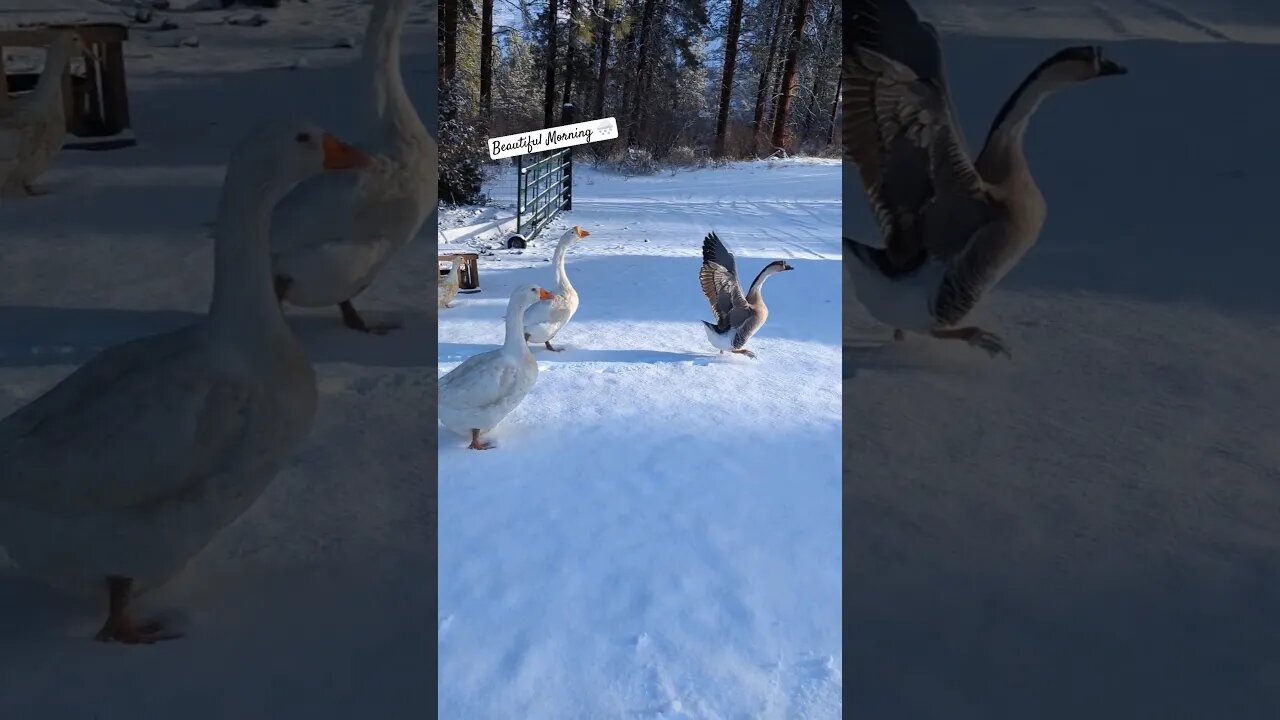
{"x": 1093, "y": 528}
{"x": 317, "y": 602}
{"x": 657, "y": 533}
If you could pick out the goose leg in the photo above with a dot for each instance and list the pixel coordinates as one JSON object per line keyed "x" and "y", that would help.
{"x": 352, "y": 319}
{"x": 552, "y": 349}
{"x": 977, "y": 337}
{"x": 120, "y": 626}
{"x": 476, "y": 443}
{"x": 282, "y": 284}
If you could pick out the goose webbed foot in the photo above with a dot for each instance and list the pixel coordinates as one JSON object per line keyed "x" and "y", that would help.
{"x": 477, "y": 443}
{"x": 746, "y": 352}
{"x": 352, "y": 319}
{"x": 33, "y": 190}
{"x": 553, "y": 349}
{"x": 120, "y": 626}
{"x": 898, "y": 335}
{"x": 977, "y": 337}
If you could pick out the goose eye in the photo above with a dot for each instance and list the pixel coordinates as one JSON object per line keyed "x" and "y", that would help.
{"x": 303, "y": 137}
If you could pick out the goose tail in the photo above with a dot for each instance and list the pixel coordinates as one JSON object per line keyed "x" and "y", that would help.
{"x": 719, "y": 339}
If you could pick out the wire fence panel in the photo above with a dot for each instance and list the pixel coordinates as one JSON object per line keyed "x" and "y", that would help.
{"x": 544, "y": 188}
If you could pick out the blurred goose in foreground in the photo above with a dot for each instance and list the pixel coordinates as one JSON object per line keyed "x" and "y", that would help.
{"x": 332, "y": 235}
{"x": 738, "y": 316}
{"x": 116, "y": 477}
{"x": 34, "y": 126}
{"x": 952, "y": 227}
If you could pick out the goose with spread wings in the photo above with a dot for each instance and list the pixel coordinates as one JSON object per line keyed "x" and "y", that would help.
{"x": 952, "y": 226}
{"x": 738, "y": 316}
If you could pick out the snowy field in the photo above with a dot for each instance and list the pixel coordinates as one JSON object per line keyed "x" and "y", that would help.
{"x": 1093, "y": 528}
{"x": 315, "y": 603}
{"x": 657, "y": 533}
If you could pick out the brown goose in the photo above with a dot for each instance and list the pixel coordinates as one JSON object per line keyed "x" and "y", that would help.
{"x": 738, "y": 317}
{"x": 952, "y": 227}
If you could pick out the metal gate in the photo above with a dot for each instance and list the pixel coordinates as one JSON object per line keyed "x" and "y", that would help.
{"x": 544, "y": 187}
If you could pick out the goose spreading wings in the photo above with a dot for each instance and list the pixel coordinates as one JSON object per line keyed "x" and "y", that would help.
{"x": 952, "y": 226}
{"x": 738, "y": 316}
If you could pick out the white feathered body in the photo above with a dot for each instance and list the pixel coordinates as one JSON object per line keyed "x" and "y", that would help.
{"x": 132, "y": 464}
{"x": 485, "y": 388}
{"x": 543, "y": 320}
{"x": 447, "y": 290}
{"x": 334, "y": 233}
{"x": 32, "y": 132}
{"x": 904, "y": 302}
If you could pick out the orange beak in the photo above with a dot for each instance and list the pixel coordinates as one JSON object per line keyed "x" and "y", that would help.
{"x": 580, "y": 232}
{"x": 341, "y": 156}
{"x": 544, "y": 295}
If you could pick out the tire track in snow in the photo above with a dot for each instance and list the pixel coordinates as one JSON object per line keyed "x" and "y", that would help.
{"x": 1111, "y": 20}
{"x": 1175, "y": 15}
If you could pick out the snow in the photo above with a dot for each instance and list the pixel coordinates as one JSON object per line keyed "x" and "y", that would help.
{"x": 316, "y": 602}
{"x": 657, "y": 533}
{"x": 1090, "y": 529}
{"x": 21, "y": 13}
{"x": 1183, "y": 21}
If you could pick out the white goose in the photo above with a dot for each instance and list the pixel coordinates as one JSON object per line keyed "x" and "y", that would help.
{"x": 112, "y": 480}
{"x": 475, "y": 396}
{"x": 332, "y": 235}
{"x": 952, "y": 227}
{"x": 447, "y": 290}
{"x": 544, "y": 320}
{"x": 33, "y": 127}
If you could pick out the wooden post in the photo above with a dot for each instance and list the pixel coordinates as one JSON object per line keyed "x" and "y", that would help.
{"x": 4, "y": 82}
{"x": 114, "y": 89}
{"x": 91, "y": 122}
{"x": 568, "y": 179}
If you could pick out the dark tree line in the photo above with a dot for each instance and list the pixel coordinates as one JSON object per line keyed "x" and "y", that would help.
{"x": 684, "y": 78}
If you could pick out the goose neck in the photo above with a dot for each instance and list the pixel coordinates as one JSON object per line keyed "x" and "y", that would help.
{"x": 1003, "y": 151}
{"x": 755, "y": 293}
{"x": 515, "y": 344}
{"x": 244, "y": 305}
{"x": 55, "y": 64}
{"x": 562, "y": 278}
{"x": 399, "y": 124}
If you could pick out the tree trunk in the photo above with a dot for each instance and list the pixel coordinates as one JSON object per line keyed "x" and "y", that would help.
{"x": 646, "y": 21}
{"x": 811, "y": 114}
{"x": 625, "y": 62}
{"x": 549, "y": 96}
{"x": 569, "y": 60}
{"x": 726, "y": 83}
{"x": 486, "y": 58}
{"x": 835, "y": 107}
{"x": 766, "y": 78}
{"x": 602, "y": 78}
{"x": 449, "y": 33}
{"x": 789, "y": 74}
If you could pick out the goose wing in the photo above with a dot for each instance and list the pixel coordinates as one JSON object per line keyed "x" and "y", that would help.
{"x": 479, "y": 381}
{"x": 900, "y": 131}
{"x": 893, "y": 29}
{"x": 318, "y": 211}
{"x": 139, "y": 423}
{"x": 719, "y": 280}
